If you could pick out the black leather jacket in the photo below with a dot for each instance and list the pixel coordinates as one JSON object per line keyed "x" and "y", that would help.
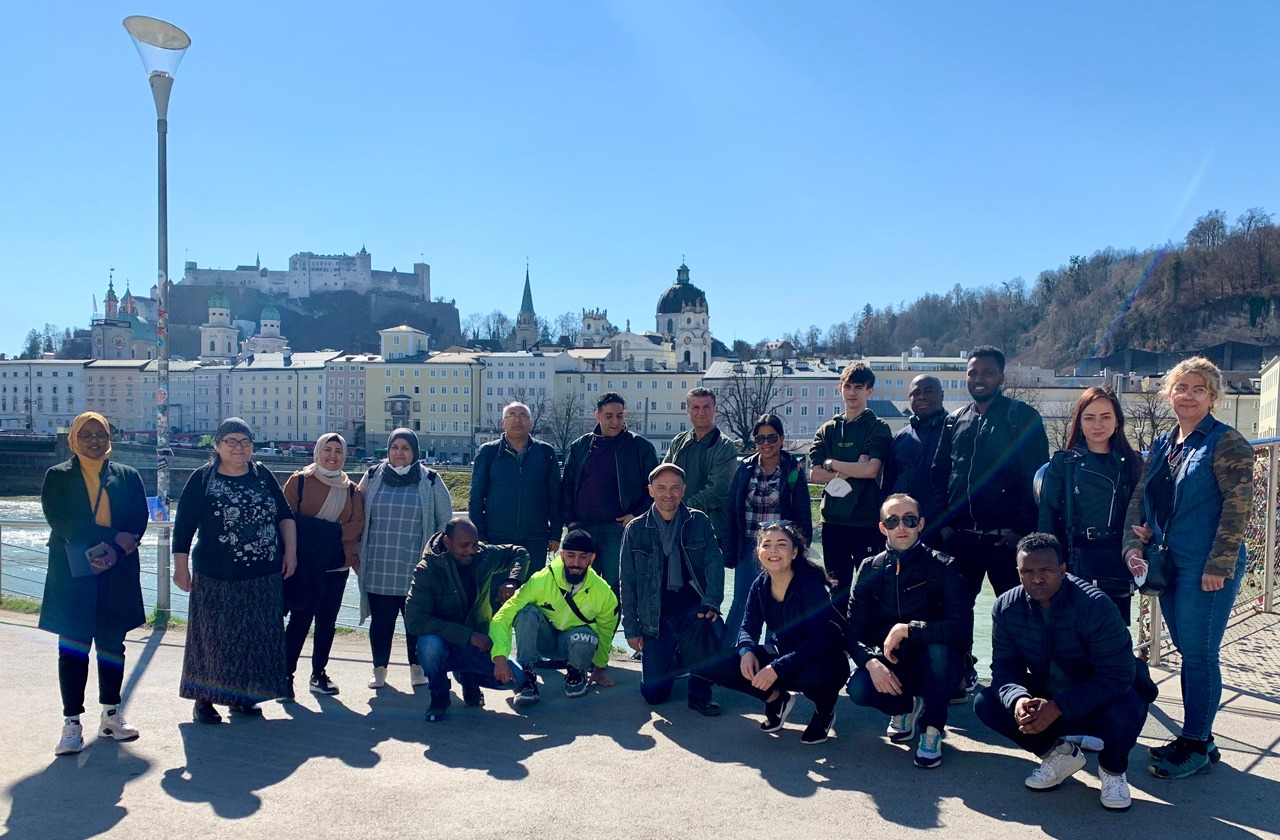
{"x": 922, "y": 588}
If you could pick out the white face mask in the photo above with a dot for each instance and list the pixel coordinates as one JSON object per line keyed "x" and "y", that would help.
{"x": 400, "y": 470}
{"x": 331, "y": 473}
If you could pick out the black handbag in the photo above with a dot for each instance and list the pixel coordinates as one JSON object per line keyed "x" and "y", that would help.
{"x": 1159, "y": 568}
{"x": 702, "y": 643}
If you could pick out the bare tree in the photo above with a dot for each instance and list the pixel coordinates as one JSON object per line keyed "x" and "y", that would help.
{"x": 534, "y": 397}
{"x": 750, "y": 391}
{"x": 567, "y": 325}
{"x": 565, "y": 420}
{"x": 1147, "y": 414}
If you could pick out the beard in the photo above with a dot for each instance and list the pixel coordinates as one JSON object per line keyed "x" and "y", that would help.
{"x": 574, "y": 578}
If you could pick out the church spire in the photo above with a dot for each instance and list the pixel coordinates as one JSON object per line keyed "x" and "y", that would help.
{"x": 526, "y": 303}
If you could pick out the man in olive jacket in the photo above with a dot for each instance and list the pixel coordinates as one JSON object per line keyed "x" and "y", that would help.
{"x": 457, "y": 586}
{"x": 708, "y": 458}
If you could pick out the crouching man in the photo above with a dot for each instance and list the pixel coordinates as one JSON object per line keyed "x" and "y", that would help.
{"x": 564, "y": 612}
{"x": 456, "y": 587}
{"x": 910, "y": 625}
{"x": 672, "y": 576}
{"x": 1062, "y": 668}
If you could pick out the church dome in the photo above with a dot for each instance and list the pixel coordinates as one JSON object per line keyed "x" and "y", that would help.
{"x": 219, "y": 300}
{"x": 680, "y": 294}
{"x": 269, "y": 313}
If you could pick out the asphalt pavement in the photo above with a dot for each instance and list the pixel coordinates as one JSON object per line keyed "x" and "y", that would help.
{"x": 364, "y": 764}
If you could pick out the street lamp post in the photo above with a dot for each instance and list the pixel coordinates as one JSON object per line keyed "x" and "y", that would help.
{"x": 161, "y": 46}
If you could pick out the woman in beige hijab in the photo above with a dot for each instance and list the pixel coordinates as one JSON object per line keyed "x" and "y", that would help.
{"x": 329, "y": 512}
{"x": 97, "y": 513}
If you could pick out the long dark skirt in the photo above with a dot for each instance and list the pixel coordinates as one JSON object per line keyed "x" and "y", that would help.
{"x": 235, "y": 642}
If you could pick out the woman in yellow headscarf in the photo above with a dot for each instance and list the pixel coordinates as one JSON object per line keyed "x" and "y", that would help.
{"x": 97, "y": 513}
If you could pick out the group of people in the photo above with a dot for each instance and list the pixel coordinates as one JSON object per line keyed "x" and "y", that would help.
{"x": 911, "y": 525}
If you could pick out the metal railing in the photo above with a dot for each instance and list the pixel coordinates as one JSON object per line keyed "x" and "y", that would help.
{"x": 1258, "y": 590}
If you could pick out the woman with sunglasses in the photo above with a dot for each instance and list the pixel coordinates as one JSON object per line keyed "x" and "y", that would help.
{"x": 97, "y": 513}
{"x": 1097, "y": 471}
{"x": 804, "y": 653}
{"x": 244, "y": 538}
{"x": 769, "y": 485}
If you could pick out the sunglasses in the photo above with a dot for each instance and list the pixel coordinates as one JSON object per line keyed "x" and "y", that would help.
{"x": 911, "y": 520}
{"x": 761, "y": 440}
{"x": 89, "y": 437}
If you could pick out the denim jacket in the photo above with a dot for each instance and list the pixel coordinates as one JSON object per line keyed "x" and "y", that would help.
{"x": 642, "y": 572}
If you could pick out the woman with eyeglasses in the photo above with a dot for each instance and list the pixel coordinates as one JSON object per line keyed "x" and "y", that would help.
{"x": 768, "y": 485}
{"x": 405, "y": 504}
{"x": 97, "y": 513}
{"x": 244, "y": 548}
{"x": 1084, "y": 493}
{"x": 804, "y": 652}
{"x": 1194, "y": 500}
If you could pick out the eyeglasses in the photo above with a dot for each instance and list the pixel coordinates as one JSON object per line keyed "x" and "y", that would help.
{"x": 761, "y": 440}
{"x": 777, "y": 523}
{"x": 90, "y": 437}
{"x": 1199, "y": 391}
{"x": 911, "y": 520}
{"x": 237, "y": 443}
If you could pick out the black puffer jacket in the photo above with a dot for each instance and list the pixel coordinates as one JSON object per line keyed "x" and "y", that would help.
{"x": 1085, "y": 637}
{"x": 922, "y": 588}
{"x": 810, "y": 631}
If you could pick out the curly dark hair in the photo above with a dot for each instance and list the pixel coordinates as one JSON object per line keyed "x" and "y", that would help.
{"x": 1040, "y": 541}
{"x": 802, "y": 562}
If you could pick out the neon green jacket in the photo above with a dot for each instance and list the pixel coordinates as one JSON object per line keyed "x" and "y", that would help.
{"x": 546, "y": 590}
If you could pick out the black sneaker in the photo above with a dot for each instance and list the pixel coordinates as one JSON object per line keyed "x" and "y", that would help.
{"x": 528, "y": 693}
{"x": 321, "y": 684}
{"x": 439, "y": 708}
{"x": 472, "y": 695}
{"x": 247, "y": 709}
{"x": 706, "y": 708}
{"x": 575, "y": 683}
{"x": 819, "y": 728}
{"x": 1167, "y": 751}
{"x": 288, "y": 696}
{"x": 776, "y": 711}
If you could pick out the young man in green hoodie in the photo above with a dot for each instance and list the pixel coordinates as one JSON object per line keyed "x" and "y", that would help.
{"x": 564, "y": 612}
{"x": 846, "y": 456}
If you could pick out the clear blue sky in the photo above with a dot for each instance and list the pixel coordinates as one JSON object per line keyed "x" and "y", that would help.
{"x": 805, "y": 158}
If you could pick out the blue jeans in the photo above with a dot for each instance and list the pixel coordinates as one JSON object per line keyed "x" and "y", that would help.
{"x": 469, "y": 664}
{"x": 743, "y": 576}
{"x": 930, "y": 672}
{"x": 659, "y": 666}
{"x": 1117, "y": 722}
{"x": 1197, "y": 621}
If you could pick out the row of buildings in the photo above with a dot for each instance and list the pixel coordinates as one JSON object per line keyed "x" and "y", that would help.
{"x": 454, "y": 398}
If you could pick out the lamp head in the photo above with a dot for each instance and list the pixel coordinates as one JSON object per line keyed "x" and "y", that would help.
{"x": 161, "y": 46}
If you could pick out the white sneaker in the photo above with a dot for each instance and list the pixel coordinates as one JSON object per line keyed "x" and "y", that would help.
{"x": 113, "y": 725}
{"x": 1088, "y": 743}
{"x": 1058, "y": 764}
{"x": 1115, "y": 791}
{"x": 416, "y": 675}
{"x": 72, "y": 740}
{"x": 379, "y": 678}
{"x": 902, "y": 728}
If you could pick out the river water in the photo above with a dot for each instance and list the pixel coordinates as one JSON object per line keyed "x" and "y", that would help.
{"x": 25, "y": 557}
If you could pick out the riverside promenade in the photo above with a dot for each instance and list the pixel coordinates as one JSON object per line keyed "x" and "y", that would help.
{"x": 364, "y": 764}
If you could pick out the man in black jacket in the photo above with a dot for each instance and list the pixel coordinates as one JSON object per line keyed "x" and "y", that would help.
{"x": 910, "y": 462}
{"x": 1062, "y": 667}
{"x": 606, "y": 482}
{"x": 910, "y": 623}
{"x": 982, "y": 476}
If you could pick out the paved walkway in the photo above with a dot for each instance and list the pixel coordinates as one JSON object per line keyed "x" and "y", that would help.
{"x": 365, "y": 765}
